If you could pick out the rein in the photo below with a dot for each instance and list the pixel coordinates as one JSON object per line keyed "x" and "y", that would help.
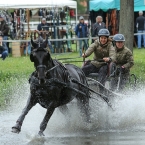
{"x": 100, "y": 60}
{"x": 69, "y": 58}
{"x": 52, "y": 68}
{"x": 44, "y": 66}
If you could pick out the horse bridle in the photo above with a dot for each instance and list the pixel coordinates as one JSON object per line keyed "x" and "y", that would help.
{"x": 41, "y": 66}
{"x": 44, "y": 66}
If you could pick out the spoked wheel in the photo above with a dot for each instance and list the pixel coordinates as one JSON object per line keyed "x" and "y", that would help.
{"x": 93, "y": 84}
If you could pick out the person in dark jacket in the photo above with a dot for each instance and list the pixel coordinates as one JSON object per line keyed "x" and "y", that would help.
{"x": 124, "y": 61}
{"x": 45, "y": 27}
{"x": 81, "y": 31}
{"x": 3, "y": 49}
{"x": 140, "y": 22}
{"x": 43, "y": 23}
{"x": 97, "y": 26}
{"x": 4, "y": 29}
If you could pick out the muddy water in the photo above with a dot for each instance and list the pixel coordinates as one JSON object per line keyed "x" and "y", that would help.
{"x": 122, "y": 125}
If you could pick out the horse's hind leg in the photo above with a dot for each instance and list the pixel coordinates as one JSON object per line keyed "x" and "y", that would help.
{"x": 29, "y": 105}
{"x": 83, "y": 104}
{"x": 64, "y": 109}
{"x": 45, "y": 120}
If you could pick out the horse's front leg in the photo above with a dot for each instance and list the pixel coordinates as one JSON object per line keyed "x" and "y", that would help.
{"x": 45, "y": 120}
{"x": 30, "y": 103}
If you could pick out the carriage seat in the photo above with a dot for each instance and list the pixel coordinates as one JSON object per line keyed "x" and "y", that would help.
{"x": 93, "y": 75}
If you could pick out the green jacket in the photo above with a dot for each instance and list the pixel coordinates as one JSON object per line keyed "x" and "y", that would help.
{"x": 100, "y": 52}
{"x": 124, "y": 58}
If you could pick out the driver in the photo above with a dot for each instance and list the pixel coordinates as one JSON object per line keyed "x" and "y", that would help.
{"x": 103, "y": 50}
{"x": 124, "y": 61}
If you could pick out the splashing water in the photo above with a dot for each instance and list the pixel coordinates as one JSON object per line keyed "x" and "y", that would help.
{"x": 127, "y": 115}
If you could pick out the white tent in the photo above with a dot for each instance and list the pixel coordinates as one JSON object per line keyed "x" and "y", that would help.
{"x": 32, "y": 4}
{"x": 36, "y": 4}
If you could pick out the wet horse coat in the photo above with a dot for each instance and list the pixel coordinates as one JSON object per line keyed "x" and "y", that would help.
{"x": 51, "y": 86}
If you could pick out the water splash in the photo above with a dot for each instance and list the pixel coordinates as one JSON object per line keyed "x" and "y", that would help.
{"x": 128, "y": 114}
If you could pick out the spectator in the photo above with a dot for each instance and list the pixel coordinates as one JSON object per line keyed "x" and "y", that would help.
{"x": 43, "y": 23}
{"x": 81, "y": 31}
{"x": 140, "y": 22}
{"x": 4, "y": 29}
{"x": 3, "y": 49}
{"x": 97, "y": 26}
{"x": 45, "y": 27}
{"x": 25, "y": 48}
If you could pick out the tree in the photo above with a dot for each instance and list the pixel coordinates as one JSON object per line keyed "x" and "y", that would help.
{"x": 81, "y": 8}
{"x": 126, "y": 25}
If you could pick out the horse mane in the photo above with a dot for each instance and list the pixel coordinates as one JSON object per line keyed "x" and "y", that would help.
{"x": 63, "y": 69}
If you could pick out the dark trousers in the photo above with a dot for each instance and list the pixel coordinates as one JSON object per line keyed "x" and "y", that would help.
{"x": 118, "y": 83}
{"x": 102, "y": 72}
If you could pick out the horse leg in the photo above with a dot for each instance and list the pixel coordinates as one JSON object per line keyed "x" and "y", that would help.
{"x": 64, "y": 109}
{"x": 45, "y": 120}
{"x": 29, "y": 105}
{"x": 83, "y": 105}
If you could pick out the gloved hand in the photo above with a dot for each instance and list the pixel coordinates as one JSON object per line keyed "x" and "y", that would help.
{"x": 121, "y": 69}
{"x": 83, "y": 55}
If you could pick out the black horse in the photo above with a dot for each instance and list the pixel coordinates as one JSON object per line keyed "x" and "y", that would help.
{"x": 53, "y": 85}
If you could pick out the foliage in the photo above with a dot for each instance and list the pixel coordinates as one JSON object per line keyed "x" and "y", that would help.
{"x": 81, "y": 9}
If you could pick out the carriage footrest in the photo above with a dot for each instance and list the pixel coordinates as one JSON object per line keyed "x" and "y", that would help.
{"x": 93, "y": 75}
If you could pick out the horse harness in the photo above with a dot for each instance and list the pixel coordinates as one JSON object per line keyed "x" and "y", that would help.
{"x": 54, "y": 82}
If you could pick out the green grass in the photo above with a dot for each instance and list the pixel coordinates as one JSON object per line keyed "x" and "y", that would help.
{"x": 13, "y": 69}
{"x": 139, "y": 67}
{"x": 18, "y": 66}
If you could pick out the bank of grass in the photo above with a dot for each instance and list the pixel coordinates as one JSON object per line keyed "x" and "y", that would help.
{"x": 139, "y": 67}
{"x": 21, "y": 67}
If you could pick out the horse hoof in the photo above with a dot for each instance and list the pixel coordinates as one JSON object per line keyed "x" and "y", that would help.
{"x": 41, "y": 133}
{"x": 15, "y": 130}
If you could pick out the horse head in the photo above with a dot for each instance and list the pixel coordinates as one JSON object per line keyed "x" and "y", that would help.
{"x": 41, "y": 58}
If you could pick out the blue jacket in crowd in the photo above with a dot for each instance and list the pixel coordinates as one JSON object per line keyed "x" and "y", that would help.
{"x": 81, "y": 30}
{"x": 3, "y": 48}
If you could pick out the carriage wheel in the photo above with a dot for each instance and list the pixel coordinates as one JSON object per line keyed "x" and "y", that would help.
{"x": 93, "y": 84}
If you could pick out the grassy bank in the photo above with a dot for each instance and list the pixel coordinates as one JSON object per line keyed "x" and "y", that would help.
{"x": 21, "y": 67}
{"x": 139, "y": 67}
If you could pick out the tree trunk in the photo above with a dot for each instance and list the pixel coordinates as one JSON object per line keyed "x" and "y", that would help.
{"x": 126, "y": 26}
